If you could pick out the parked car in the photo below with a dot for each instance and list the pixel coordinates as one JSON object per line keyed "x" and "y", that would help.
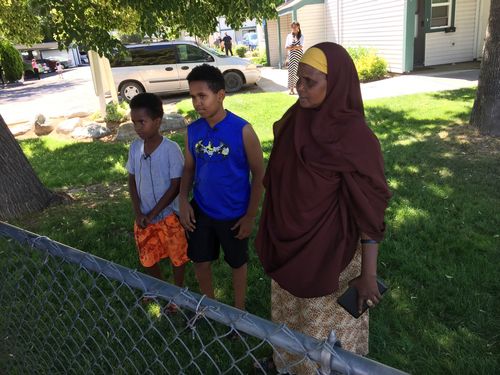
{"x": 163, "y": 68}
{"x": 65, "y": 63}
{"x": 251, "y": 40}
{"x": 44, "y": 66}
{"x": 84, "y": 58}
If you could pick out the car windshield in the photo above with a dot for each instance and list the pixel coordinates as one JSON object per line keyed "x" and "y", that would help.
{"x": 211, "y": 50}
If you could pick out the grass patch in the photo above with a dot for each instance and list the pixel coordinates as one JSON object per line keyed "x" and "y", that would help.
{"x": 441, "y": 251}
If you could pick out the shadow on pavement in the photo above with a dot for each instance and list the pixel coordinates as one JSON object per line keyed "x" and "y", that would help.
{"x": 19, "y": 92}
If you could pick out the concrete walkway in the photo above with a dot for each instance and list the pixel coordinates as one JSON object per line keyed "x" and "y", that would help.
{"x": 446, "y": 77}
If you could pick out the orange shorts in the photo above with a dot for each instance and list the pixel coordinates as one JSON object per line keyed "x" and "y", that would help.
{"x": 164, "y": 239}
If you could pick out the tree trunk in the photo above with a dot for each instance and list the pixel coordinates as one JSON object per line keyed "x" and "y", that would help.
{"x": 486, "y": 111}
{"x": 21, "y": 191}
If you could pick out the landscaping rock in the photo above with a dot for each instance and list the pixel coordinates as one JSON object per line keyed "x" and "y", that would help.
{"x": 68, "y": 126}
{"x": 20, "y": 129}
{"x": 41, "y": 126}
{"x": 91, "y": 130}
{"x": 40, "y": 119}
{"x": 43, "y": 129}
{"x": 79, "y": 114}
{"x": 126, "y": 132}
{"x": 172, "y": 121}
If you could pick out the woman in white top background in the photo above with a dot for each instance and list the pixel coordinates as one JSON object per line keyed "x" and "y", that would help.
{"x": 294, "y": 45}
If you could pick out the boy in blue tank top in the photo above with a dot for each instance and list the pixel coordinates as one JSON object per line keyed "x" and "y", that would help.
{"x": 221, "y": 152}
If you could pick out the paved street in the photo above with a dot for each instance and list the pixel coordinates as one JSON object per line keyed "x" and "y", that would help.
{"x": 55, "y": 97}
{"x": 51, "y": 96}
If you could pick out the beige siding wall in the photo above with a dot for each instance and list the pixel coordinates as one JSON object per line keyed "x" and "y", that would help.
{"x": 312, "y": 24}
{"x": 332, "y": 21}
{"x": 443, "y": 48}
{"x": 285, "y": 22}
{"x": 374, "y": 24}
{"x": 272, "y": 35}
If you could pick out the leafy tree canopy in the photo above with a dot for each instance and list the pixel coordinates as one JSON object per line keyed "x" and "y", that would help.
{"x": 88, "y": 22}
{"x": 18, "y": 23}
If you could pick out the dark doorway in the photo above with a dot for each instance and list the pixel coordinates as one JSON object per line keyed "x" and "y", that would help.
{"x": 419, "y": 41}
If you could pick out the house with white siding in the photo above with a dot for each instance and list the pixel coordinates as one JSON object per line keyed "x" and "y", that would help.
{"x": 408, "y": 33}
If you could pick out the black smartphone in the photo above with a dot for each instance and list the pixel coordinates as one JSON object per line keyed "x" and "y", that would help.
{"x": 349, "y": 300}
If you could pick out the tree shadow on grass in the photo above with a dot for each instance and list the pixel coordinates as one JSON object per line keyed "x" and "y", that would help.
{"x": 460, "y": 94}
{"x": 76, "y": 164}
{"x": 439, "y": 248}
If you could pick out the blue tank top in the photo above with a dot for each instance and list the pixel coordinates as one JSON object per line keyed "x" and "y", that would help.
{"x": 221, "y": 185}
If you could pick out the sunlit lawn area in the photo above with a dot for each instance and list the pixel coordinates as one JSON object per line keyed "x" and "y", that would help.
{"x": 441, "y": 252}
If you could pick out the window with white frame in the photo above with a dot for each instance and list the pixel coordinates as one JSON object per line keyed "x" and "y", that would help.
{"x": 441, "y": 14}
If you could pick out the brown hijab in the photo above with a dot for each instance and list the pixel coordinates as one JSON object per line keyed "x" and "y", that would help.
{"x": 324, "y": 185}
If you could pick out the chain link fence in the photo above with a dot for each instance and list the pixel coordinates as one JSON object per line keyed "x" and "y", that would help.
{"x": 63, "y": 311}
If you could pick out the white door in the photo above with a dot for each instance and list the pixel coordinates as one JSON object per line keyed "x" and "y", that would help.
{"x": 484, "y": 14}
{"x": 157, "y": 67}
{"x": 188, "y": 57}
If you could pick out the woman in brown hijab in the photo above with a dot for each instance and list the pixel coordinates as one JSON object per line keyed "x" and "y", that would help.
{"x": 323, "y": 213}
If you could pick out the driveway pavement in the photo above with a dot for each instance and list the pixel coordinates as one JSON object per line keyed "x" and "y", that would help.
{"x": 56, "y": 97}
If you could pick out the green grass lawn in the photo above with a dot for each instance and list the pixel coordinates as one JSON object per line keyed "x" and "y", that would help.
{"x": 441, "y": 252}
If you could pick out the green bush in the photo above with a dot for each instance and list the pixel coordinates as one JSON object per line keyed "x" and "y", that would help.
{"x": 255, "y": 53}
{"x": 116, "y": 112}
{"x": 11, "y": 61}
{"x": 241, "y": 50}
{"x": 259, "y": 57}
{"x": 357, "y": 52}
{"x": 261, "y": 60}
{"x": 27, "y": 67}
{"x": 369, "y": 66}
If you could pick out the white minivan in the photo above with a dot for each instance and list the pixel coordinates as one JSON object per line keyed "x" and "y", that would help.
{"x": 163, "y": 68}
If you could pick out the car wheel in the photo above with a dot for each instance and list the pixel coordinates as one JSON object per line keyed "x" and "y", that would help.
{"x": 130, "y": 89}
{"x": 234, "y": 82}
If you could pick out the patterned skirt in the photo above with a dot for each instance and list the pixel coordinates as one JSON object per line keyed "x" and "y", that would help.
{"x": 316, "y": 317}
{"x": 293, "y": 64}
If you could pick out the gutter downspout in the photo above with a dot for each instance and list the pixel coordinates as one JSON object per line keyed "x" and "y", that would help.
{"x": 475, "y": 45}
{"x": 266, "y": 38}
{"x": 340, "y": 13}
{"x": 279, "y": 44}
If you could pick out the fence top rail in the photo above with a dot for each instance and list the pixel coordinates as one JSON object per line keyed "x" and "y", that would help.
{"x": 326, "y": 353}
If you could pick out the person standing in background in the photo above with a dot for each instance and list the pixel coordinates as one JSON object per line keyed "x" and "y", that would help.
{"x": 60, "y": 70}
{"x": 34, "y": 65}
{"x": 228, "y": 44}
{"x": 1, "y": 75}
{"x": 294, "y": 45}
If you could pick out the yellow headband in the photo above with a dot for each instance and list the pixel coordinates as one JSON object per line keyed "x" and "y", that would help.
{"x": 315, "y": 58}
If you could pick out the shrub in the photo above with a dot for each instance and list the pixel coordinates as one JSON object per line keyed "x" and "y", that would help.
{"x": 357, "y": 52}
{"x": 371, "y": 67}
{"x": 241, "y": 50}
{"x": 11, "y": 61}
{"x": 368, "y": 64}
{"x": 116, "y": 112}
{"x": 259, "y": 57}
{"x": 255, "y": 52}
{"x": 95, "y": 116}
{"x": 261, "y": 60}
